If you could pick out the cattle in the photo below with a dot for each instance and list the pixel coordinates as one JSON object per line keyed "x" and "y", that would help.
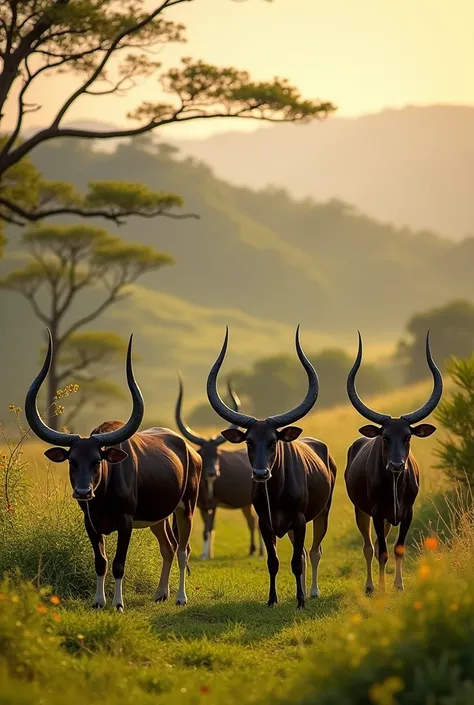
{"x": 125, "y": 480}
{"x": 293, "y": 481}
{"x": 226, "y": 479}
{"x": 382, "y": 475}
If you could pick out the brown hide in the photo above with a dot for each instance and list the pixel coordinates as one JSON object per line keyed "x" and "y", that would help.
{"x": 233, "y": 487}
{"x": 161, "y": 468}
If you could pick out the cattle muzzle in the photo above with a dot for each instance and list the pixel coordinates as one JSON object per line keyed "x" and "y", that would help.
{"x": 396, "y": 467}
{"x": 261, "y": 475}
{"x": 83, "y": 494}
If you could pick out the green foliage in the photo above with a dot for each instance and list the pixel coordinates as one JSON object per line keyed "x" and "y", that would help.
{"x": 26, "y": 196}
{"x": 452, "y": 333}
{"x": 456, "y": 414}
{"x": 278, "y": 382}
{"x": 204, "y": 89}
{"x": 419, "y": 653}
{"x": 83, "y": 39}
{"x": 66, "y": 261}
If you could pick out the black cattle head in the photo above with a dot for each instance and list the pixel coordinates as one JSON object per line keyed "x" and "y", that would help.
{"x": 396, "y": 433}
{"x": 262, "y": 436}
{"x": 208, "y": 447}
{"x": 85, "y": 455}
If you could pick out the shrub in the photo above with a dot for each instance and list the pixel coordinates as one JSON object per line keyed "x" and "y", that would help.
{"x": 418, "y": 653}
{"x": 456, "y": 414}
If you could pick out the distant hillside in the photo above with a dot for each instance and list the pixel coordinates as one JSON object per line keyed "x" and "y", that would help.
{"x": 259, "y": 261}
{"x": 413, "y": 166}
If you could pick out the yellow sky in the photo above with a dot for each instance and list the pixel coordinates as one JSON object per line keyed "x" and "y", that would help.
{"x": 363, "y": 55}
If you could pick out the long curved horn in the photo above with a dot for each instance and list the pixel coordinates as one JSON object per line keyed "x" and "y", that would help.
{"x": 35, "y": 421}
{"x": 355, "y": 400}
{"x": 311, "y": 395}
{"x": 125, "y": 432}
{"x": 233, "y": 417}
{"x": 184, "y": 428}
{"x": 433, "y": 401}
{"x": 236, "y": 404}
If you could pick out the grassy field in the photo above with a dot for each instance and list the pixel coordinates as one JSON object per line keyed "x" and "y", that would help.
{"x": 226, "y": 645}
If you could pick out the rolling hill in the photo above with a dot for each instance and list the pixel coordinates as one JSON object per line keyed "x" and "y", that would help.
{"x": 260, "y": 261}
{"x": 411, "y": 166}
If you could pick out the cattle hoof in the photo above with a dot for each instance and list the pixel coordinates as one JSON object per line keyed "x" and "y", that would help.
{"x": 369, "y": 590}
{"x": 272, "y": 603}
{"x": 300, "y": 605}
{"x": 119, "y": 608}
{"x": 398, "y": 587}
{"x": 315, "y": 594}
{"x": 181, "y": 602}
{"x": 161, "y": 598}
{"x": 203, "y": 557}
{"x": 98, "y": 606}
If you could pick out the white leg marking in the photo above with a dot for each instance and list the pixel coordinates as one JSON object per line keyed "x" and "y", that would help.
{"x": 368, "y": 555}
{"x": 315, "y": 556}
{"x": 181, "y": 598}
{"x": 206, "y": 549}
{"x": 398, "y": 583}
{"x": 118, "y": 597}
{"x": 99, "y": 599}
{"x": 211, "y": 544}
{"x": 163, "y": 590}
{"x": 303, "y": 574}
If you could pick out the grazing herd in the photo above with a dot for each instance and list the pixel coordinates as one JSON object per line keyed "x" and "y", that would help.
{"x": 125, "y": 479}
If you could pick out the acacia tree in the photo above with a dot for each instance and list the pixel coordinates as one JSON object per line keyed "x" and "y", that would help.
{"x": 87, "y": 357}
{"x": 66, "y": 262}
{"x": 109, "y": 45}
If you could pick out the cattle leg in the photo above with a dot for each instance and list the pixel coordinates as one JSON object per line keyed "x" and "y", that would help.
{"x": 251, "y": 519}
{"x": 400, "y": 547}
{"x": 162, "y": 531}
{"x": 387, "y": 529}
{"x": 118, "y": 566}
{"x": 273, "y": 563}
{"x": 304, "y": 558}
{"x": 184, "y": 517}
{"x": 208, "y": 518}
{"x": 380, "y": 528}
{"x": 320, "y": 527}
{"x": 100, "y": 560}
{"x": 363, "y": 524}
{"x": 298, "y": 558}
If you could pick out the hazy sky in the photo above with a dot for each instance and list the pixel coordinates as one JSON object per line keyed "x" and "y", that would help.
{"x": 363, "y": 55}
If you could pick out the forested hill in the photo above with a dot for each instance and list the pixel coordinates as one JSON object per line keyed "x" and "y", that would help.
{"x": 412, "y": 166}
{"x": 258, "y": 261}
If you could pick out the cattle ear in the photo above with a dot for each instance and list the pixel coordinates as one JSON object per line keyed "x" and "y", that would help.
{"x": 370, "y": 431}
{"x": 113, "y": 455}
{"x": 57, "y": 455}
{"x": 290, "y": 433}
{"x": 423, "y": 430}
{"x": 234, "y": 435}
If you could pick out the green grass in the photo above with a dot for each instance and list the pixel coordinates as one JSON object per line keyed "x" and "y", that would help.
{"x": 226, "y": 645}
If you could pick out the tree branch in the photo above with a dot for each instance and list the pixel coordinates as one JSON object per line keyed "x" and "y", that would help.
{"x": 118, "y": 218}
{"x": 95, "y": 74}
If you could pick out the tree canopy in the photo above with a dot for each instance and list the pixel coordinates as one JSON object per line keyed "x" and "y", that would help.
{"x": 64, "y": 264}
{"x": 109, "y": 46}
{"x": 452, "y": 333}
